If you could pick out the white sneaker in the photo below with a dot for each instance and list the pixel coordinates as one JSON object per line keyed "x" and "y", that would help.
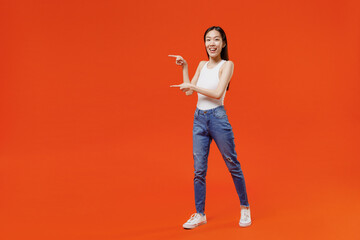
{"x": 195, "y": 220}
{"x": 245, "y": 219}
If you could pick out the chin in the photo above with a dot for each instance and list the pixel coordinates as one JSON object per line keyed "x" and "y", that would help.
{"x": 214, "y": 55}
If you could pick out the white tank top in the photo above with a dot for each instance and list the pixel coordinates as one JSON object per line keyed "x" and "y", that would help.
{"x": 209, "y": 79}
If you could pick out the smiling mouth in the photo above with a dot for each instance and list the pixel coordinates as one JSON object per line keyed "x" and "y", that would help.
{"x": 212, "y": 50}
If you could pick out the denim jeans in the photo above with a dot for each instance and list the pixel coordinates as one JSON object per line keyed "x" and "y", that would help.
{"x": 214, "y": 124}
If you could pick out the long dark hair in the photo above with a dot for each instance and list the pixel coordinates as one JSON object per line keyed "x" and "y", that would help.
{"x": 224, "y": 52}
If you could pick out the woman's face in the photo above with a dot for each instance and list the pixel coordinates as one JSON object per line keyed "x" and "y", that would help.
{"x": 214, "y": 43}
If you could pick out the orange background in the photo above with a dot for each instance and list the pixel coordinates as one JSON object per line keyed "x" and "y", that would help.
{"x": 94, "y": 143}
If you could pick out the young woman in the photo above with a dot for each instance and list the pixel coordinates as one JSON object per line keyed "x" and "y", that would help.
{"x": 211, "y": 81}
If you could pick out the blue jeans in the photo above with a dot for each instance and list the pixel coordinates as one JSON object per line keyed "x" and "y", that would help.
{"x": 214, "y": 124}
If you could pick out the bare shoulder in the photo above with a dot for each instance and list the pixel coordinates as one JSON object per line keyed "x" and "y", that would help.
{"x": 200, "y": 66}
{"x": 202, "y": 63}
{"x": 228, "y": 65}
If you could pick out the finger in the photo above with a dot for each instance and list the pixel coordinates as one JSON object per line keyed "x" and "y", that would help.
{"x": 173, "y": 56}
{"x": 175, "y": 86}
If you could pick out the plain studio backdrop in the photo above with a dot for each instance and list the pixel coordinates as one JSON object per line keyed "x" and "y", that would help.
{"x": 94, "y": 144}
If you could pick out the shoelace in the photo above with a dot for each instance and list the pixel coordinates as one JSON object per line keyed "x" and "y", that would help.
{"x": 193, "y": 217}
{"x": 245, "y": 215}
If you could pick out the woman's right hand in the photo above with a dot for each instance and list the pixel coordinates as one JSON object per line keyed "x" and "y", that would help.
{"x": 179, "y": 60}
{"x": 189, "y": 92}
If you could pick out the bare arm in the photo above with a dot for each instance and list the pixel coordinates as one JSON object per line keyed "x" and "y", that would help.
{"x": 213, "y": 93}
{"x": 185, "y": 71}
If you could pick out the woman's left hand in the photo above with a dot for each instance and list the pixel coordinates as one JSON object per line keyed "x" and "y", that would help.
{"x": 184, "y": 86}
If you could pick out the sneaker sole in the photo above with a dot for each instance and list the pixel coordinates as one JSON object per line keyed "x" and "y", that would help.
{"x": 197, "y": 225}
{"x": 245, "y": 225}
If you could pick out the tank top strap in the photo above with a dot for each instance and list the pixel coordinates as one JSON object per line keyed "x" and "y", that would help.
{"x": 221, "y": 63}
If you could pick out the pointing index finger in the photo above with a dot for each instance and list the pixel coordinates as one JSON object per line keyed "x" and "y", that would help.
{"x": 173, "y": 56}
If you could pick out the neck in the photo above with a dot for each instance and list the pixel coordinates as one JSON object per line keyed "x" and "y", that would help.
{"x": 215, "y": 60}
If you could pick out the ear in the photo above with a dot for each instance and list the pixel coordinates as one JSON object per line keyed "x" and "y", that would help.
{"x": 224, "y": 45}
